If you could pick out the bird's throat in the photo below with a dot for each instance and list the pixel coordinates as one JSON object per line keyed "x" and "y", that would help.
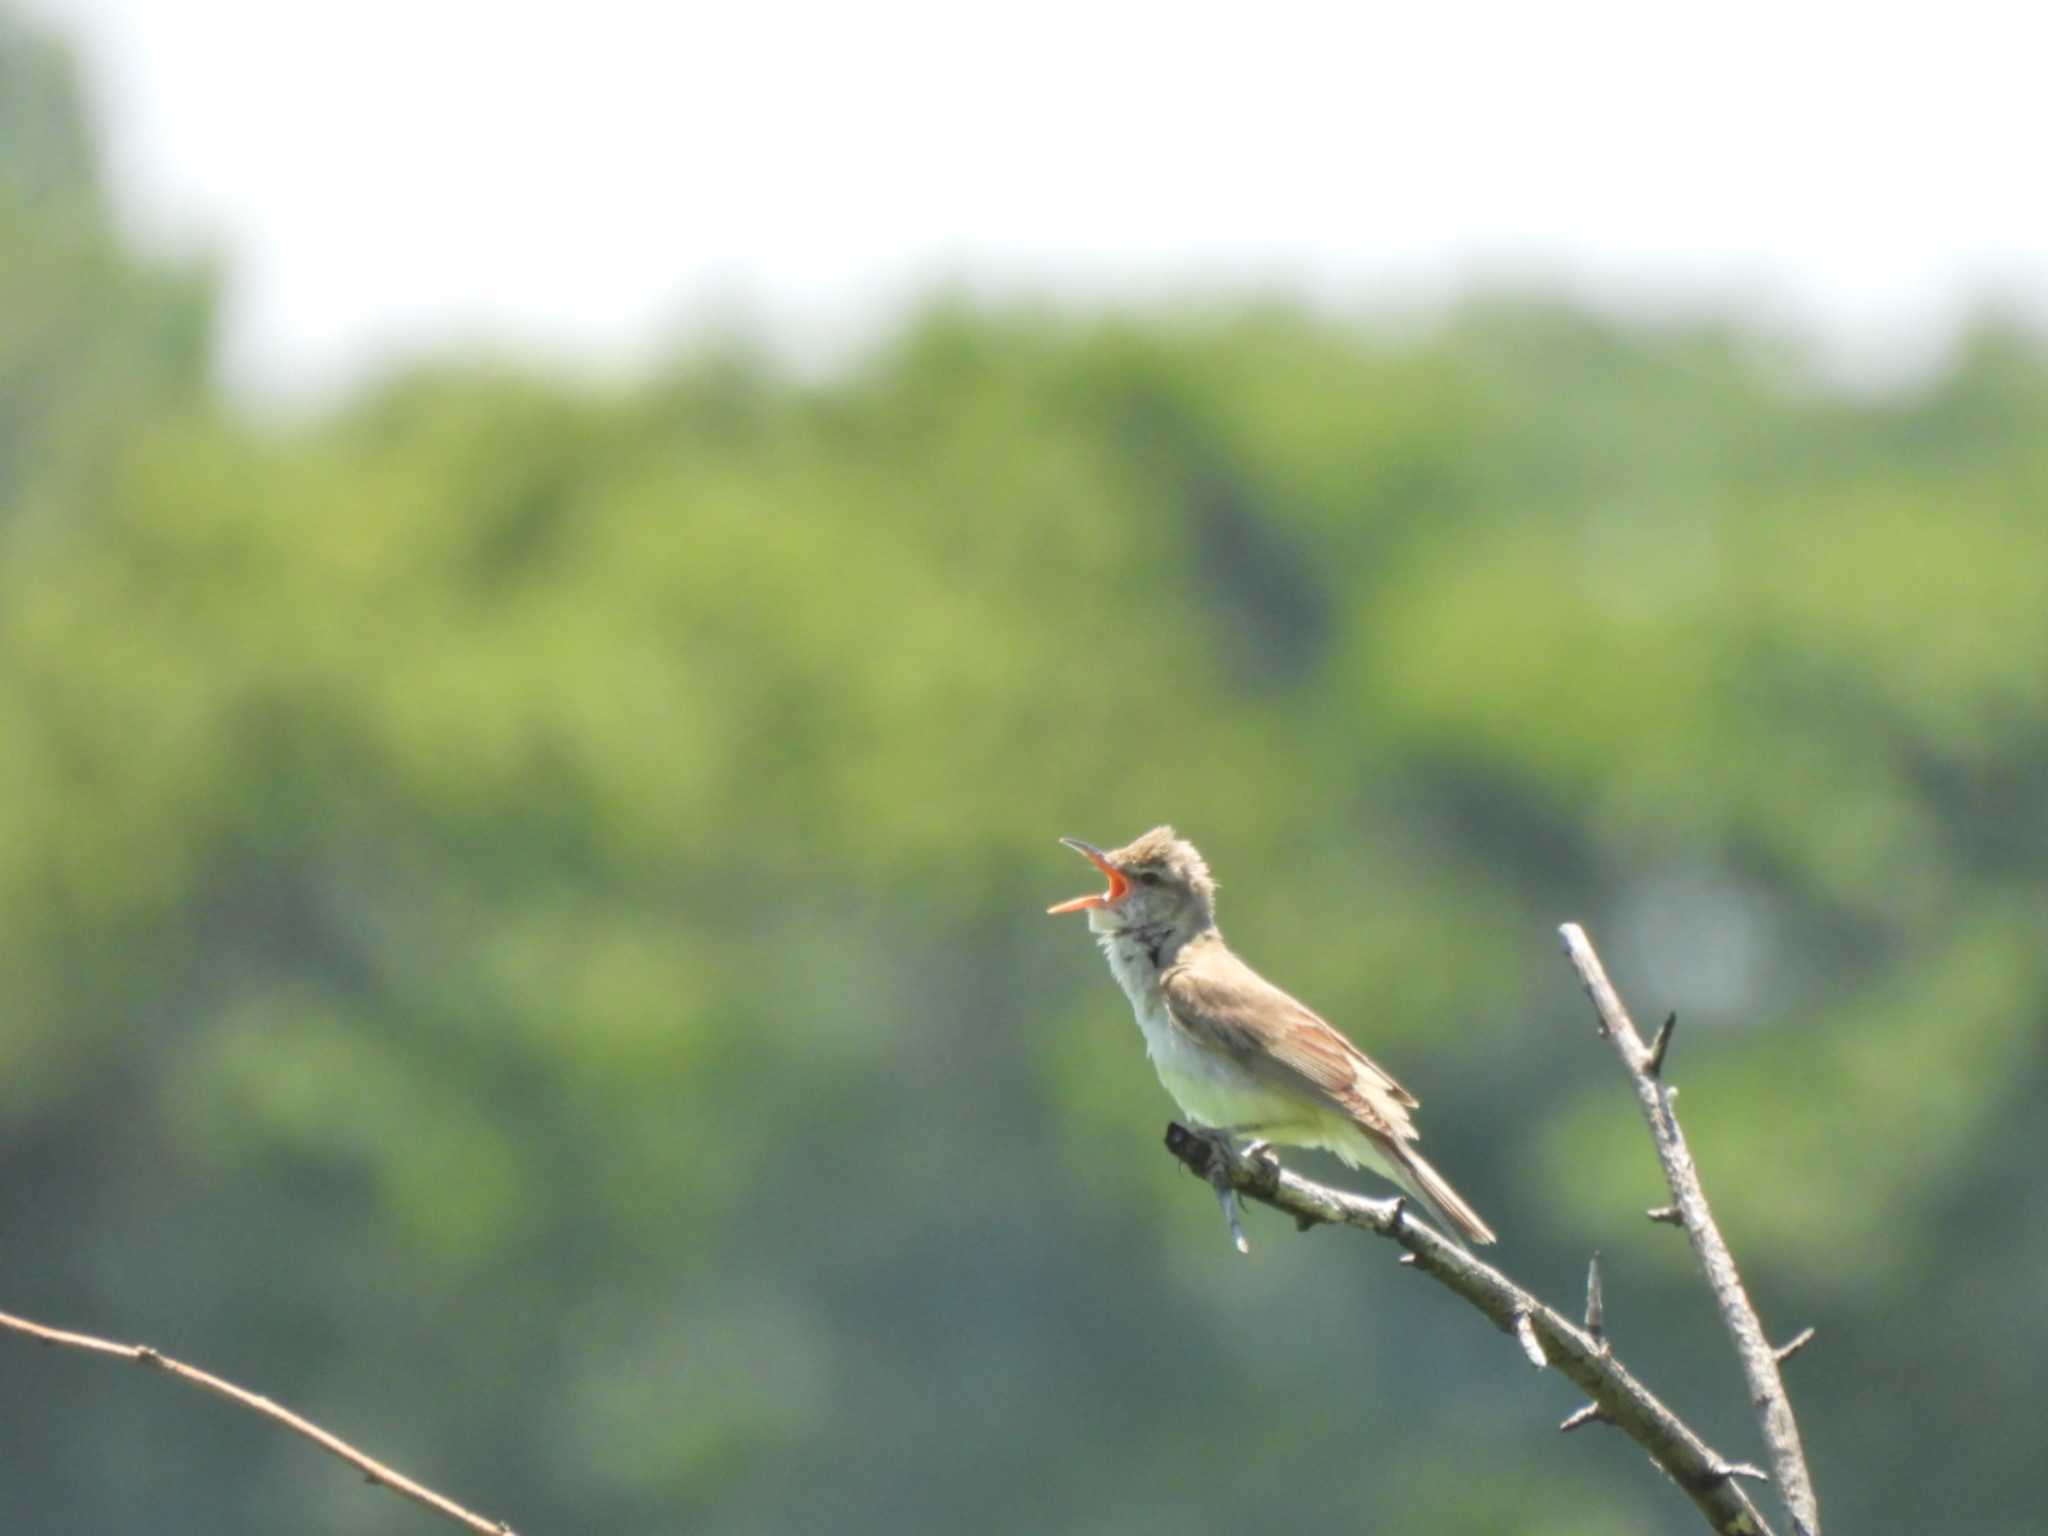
{"x": 1137, "y": 954}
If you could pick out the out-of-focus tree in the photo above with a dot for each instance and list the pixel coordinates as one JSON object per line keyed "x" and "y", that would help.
{"x": 94, "y": 342}
{"x": 519, "y": 901}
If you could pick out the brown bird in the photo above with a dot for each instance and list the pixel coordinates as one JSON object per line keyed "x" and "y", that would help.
{"x": 1240, "y": 1056}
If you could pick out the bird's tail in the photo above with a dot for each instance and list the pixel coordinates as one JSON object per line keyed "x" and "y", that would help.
{"x": 1445, "y": 1203}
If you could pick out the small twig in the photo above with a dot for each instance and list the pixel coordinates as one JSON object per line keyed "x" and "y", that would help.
{"x": 1670, "y": 1215}
{"x": 1567, "y": 1349}
{"x": 373, "y": 1470}
{"x": 1793, "y": 1345}
{"x": 1759, "y": 1361}
{"x": 1525, "y": 1334}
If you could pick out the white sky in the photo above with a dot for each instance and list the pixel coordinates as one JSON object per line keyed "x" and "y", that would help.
{"x": 599, "y": 179}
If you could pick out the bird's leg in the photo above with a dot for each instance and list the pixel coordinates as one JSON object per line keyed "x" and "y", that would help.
{"x": 1221, "y": 1154}
{"x": 1258, "y": 1151}
{"x": 1233, "y": 1216}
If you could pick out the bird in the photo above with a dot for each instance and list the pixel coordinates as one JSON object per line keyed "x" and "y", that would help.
{"x": 1240, "y": 1056}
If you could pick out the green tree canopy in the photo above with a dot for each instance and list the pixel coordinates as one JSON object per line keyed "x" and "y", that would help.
{"x": 520, "y": 902}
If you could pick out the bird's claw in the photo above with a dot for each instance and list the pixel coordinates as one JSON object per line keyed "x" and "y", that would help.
{"x": 1256, "y": 1154}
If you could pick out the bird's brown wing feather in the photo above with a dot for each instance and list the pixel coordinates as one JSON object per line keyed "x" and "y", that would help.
{"x": 1230, "y": 1007}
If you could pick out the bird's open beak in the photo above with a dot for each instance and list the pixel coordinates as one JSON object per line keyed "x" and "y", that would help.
{"x": 1117, "y": 883}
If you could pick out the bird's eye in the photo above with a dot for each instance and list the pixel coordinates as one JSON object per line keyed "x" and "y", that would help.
{"x": 1149, "y": 877}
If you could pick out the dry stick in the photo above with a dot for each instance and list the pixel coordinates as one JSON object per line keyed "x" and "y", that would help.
{"x": 1759, "y": 1361}
{"x": 1708, "y": 1479}
{"x": 374, "y": 1471}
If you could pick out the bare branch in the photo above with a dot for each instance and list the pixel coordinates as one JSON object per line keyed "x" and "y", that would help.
{"x": 1698, "y": 1470}
{"x": 373, "y": 1470}
{"x": 1759, "y": 1360}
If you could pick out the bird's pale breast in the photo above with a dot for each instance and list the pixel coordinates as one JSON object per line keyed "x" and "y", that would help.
{"x": 1213, "y": 1090}
{"x": 1207, "y": 1085}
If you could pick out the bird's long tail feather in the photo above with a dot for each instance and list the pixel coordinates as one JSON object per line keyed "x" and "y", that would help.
{"x": 1445, "y": 1203}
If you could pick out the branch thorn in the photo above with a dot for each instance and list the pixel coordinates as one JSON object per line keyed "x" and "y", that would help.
{"x": 1592, "y": 1413}
{"x": 1728, "y": 1471}
{"x": 1525, "y": 1332}
{"x": 1653, "y": 1064}
{"x": 1596, "y": 1308}
{"x": 1668, "y": 1214}
{"x": 1792, "y": 1346}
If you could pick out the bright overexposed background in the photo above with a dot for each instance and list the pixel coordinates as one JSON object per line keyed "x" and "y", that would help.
{"x": 597, "y": 180}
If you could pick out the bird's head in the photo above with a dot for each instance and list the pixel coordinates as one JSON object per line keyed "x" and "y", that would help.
{"x": 1159, "y": 879}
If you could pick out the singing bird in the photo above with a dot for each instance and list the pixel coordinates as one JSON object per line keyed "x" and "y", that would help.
{"x": 1240, "y": 1056}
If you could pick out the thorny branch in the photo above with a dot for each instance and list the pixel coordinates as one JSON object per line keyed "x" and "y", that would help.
{"x": 1546, "y": 1338}
{"x": 1645, "y": 1066}
{"x": 373, "y": 1471}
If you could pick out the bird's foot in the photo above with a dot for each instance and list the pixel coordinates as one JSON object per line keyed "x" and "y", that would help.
{"x": 1257, "y": 1154}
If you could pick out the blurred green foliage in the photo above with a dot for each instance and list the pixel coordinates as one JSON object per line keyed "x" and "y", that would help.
{"x": 520, "y": 905}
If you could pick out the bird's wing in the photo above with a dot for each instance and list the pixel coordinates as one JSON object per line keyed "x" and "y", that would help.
{"x": 1225, "y": 1004}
